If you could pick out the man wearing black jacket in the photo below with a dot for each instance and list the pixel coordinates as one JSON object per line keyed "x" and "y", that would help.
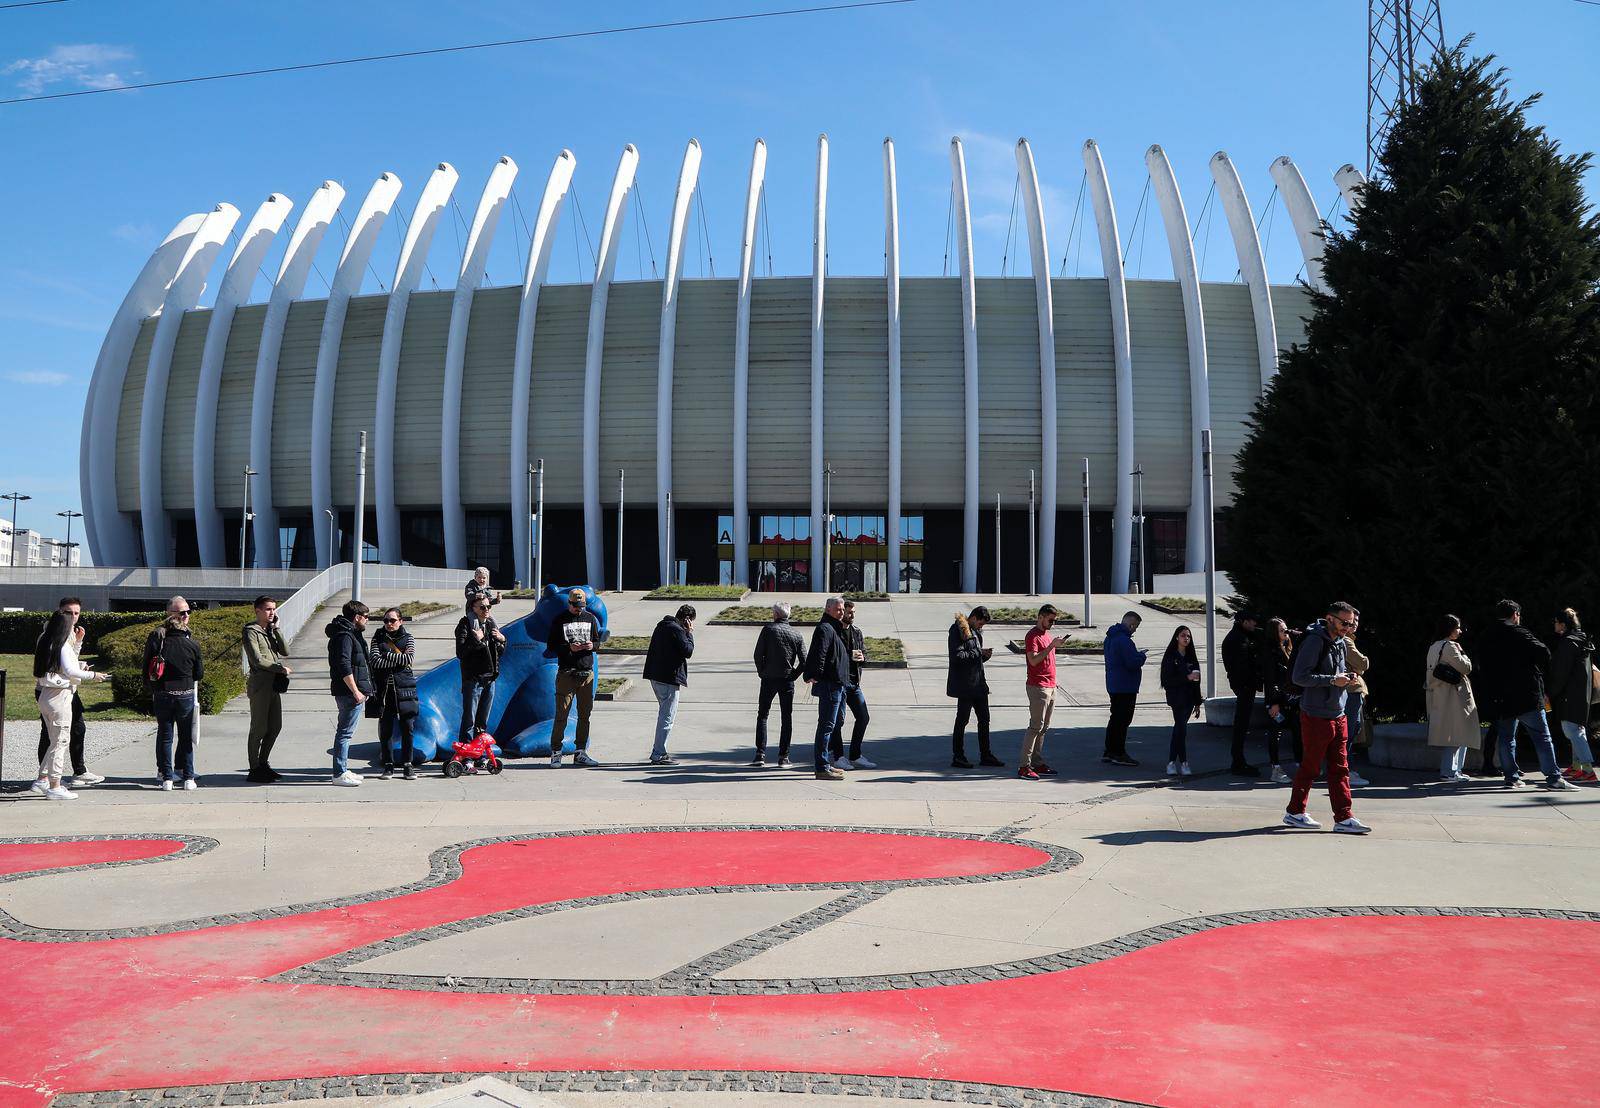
{"x": 967, "y": 684}
{"x": 853, "y": 699}
{"x": 666, "y": 667}
{"x": 1241, "y": 662}
{"x": 779, "y": 656}
{"x": 350, "y": 682}
{"x": 827, "y": 670}
{"x": 573, "y": 636}
{"x": 1508, "y": 675}
{"x": 478, "y": 647}
{"x": 173, "y": 693}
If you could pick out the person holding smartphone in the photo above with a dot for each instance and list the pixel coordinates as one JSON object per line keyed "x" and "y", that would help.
{"x": 267, "y": 658}
{"x": 854, "y": 699}
{"x": 58, "y": 672}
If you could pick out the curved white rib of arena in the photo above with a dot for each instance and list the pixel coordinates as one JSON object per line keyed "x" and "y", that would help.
{"x": 1303, "y": 214}
{"x": 533, "y": 278}
{"x": 407, "y": 274}
{"x": 1252, "y": 266}
{"x": 969, "y": 361}
{"x": 594, "y": 349}
{"x": 1039, "y": 253}
{"x": 182, "y": 295}
{"x": 688, "y": 176}
{"x": 353, "y": 261}
{"x": 474, "y": 260}
{"x": 233, "y": 291}
{"x": 741, "y": 368}
{"x": 292, "y": 274}
{"x": 1105, "y": 219}
{"x": 1185, "y": 269}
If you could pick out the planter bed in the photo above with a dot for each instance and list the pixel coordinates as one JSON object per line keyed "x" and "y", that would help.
{"x": 754, "y": 615}
{"x": 1065, "y": 646}
{"x": 624, "y": 644}
{"x": 1024, "y": 616}
{"x": 611, "y": 688}
{"x": 698, "y": 592}
{"x": 885, "y": 653}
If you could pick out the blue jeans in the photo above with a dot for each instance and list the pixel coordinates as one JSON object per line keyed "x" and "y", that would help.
{"x": 857, "y": 703}
{"x": 830, "y": 713}
{"x": 666, "y": 713}
{"x": 1539, "y": 731}
{"x": 174, "y": 709}
{"x": 477, "y": 697}
{"x": 1579, "y": 738}
{"x": 1452, "y": 760}
{"x": 350, "y": 714}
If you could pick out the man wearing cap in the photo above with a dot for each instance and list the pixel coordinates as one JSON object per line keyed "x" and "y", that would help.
{"x": 1241, "y": 663}
{"x": 1039, "y": 650}
{"x": 573, "y": 636}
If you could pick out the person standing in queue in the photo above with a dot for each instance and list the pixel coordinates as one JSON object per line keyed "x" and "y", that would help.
{"x": 966, "y": 683}
{"x": 479, "y": 644}
{"x": 1039, "y": 652}
{"x": 1124, "y": 673}
{"x": 827, "y": 671}
{"x": 1322, "y": 672}
{"x": 266, "y": 656}
{"x": 780, "y": 655}
{"x": 391, "y": 656}
{"x": 350, "y": 682}
{"x": 1241, "y": 663}
{"x": 58, "y": 671}
{"x": 666, "y": 667}
{"x": 1453, "y": 723}
{"x": 573, "y": 637}
{"x": 854, "y": 699}
{"x": 80, "y": 772}
{"x": 1282, "y": 699}
{"x": 173, "y": 668}
{"x": 1180, "y": 680}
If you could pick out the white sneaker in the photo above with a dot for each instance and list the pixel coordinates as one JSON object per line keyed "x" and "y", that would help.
{"x": 1184, "y": 770}
{"x": 1352, "y": 826}
{"x": 862, "y": 763}
{"x": 42, "y": 787}
{"x": 581, "y": 758}
{"x": 842, "y": 762}
{"x": 190, "y": 784}
{"x": 1279, "y": 777}
{"x": 1559, "y": 785}
{"x": 1172, "y": 769}
{"x": 346, "y": 778}
{"x": 60, "y": 792}
{"x": 87, "y": 779}
{"x": 1356, "y": 780}
{"x": 1458, "y": 779}
{"x": 555, "y": 757}
{"x": 166, "y": 786}
{"x": 1300, "y": 819}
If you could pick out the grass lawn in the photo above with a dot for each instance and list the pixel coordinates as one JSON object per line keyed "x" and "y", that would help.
{"x": 416, "y": 609}
{"x": 625, "y": 644}
{"x": 862, "y": 596}
{"x": 1186, "y": 604}
{"x": 19, "y": 692}
{"x": 608, "y": 686}
{"x": 756, "y": 614}
{"x": 697, "y": 592}
{"x": 885, "y": 652}
{"x": 1024, "y": 615}
{"x": 1064, "y": 646}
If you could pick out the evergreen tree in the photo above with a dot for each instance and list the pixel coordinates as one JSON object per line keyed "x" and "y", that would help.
{"x": 1432, "y": 446}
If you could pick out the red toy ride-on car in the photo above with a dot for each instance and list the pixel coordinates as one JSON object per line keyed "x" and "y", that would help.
{"x": 477, "y": 753}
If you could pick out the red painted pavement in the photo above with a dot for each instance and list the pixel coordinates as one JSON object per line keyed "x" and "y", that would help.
{"x": 1370, "y": 1010}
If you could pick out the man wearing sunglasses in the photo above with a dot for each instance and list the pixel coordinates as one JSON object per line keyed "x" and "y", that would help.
{"x": 478, "y": 647}
{"x": 172, "y": 668}
{"x": 573, "y": 636}
{"x": 1322, "y": 670}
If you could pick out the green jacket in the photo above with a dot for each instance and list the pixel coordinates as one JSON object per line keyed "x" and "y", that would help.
{"x": 264, "y": 651}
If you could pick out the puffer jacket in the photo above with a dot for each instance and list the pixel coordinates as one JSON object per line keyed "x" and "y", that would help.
{"x": 347, "y": 657}
{"x": 780, "y": 652}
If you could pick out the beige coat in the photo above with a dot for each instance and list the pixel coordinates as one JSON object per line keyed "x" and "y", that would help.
{"x": 1357, "y": 663}
{"x": 1452, "y": 713}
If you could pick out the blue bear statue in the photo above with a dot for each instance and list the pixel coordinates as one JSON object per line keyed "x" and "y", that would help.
{"x": 524, "y": 695}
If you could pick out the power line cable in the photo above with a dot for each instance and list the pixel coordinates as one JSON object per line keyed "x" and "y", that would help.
{"x": 435, "y": 50}
{"x": 1077, "y": 206}
{"x": 29, "y": 4}
{"x": 1011, "y": 222}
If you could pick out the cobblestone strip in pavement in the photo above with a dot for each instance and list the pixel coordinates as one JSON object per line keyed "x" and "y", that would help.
{"x": 590, "y": 1081}
{"x": 742, "y": 950}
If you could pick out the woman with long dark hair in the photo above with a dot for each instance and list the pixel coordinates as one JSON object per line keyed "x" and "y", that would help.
{"x": 390, "y": 657}
{"x": 1180, "y": 680}
{"x": 1280, "y": 696}
{"x": 1568, "y": 686}
{"x": 57, "y": 671}
{"x": 1452, "y": 712}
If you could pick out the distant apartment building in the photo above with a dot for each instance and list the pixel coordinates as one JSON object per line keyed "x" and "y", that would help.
{"x": 36, "y": 550}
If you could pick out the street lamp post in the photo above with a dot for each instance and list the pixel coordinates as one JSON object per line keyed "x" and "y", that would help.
{"x": 69, "y": 515}
{"x": 622, "y": 476}
{"x": 1138, "y": 476}
{"x": 1033, "y": 541}
{"x": 244, "y": 519}
{"x": 15, "y": 498}
{"x": 827, "y": 528}
{"x": 997, "y": 544}
{"x": 361, "y": 514}
{"x": 536, "y": 532}
{"x": 333, "y": 535}
{"x": 1088, "y": 620}
{"x": 1211, "y": 568}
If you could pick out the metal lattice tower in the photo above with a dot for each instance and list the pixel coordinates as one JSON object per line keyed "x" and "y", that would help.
{"x": 1402, "y": 36}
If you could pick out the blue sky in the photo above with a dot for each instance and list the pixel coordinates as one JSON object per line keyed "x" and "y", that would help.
{"x": 91, "y": 184}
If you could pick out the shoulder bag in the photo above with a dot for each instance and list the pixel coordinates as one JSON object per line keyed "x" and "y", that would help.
{"x": 1445, "y": 672}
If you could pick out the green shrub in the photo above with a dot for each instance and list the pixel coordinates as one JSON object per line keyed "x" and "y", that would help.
{"x": 697, "y": 592}
{"x": 20, "y": 630}
{"x": 217, "y": 632}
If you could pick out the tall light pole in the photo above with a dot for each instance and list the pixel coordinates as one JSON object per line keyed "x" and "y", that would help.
{"x": 1088, "y": 621}
{"x": 1033, "y": 541}
{"x": 333, "y": 535}
{"x": 1138, "y": 477}
{"x": 621, "y": 483}
{"x": 1211, "y": 569}
{"x": 827, "y": 528}
{"x": 361, "y": 513}
{"x": 997, "y": 544}
{"x": 244, "y": 519}
{"x": 536, "y": 532}
{"x": 69, "y": 515}
{"x": 15, "y": 498}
